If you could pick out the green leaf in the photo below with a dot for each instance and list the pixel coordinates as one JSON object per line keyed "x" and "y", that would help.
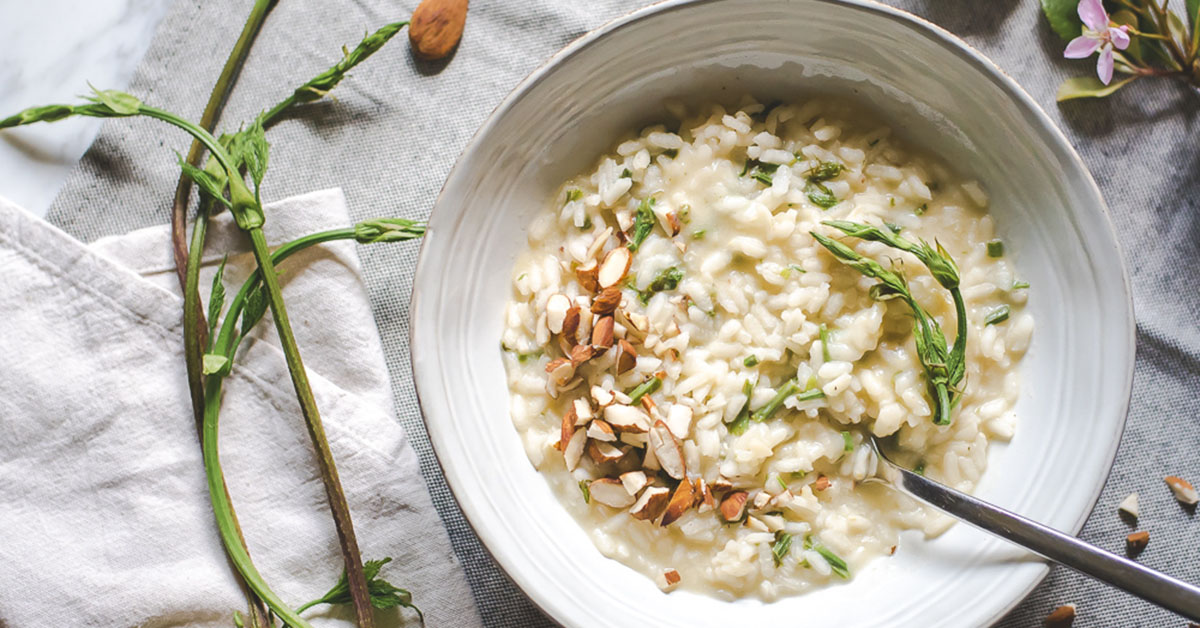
{"x": 666, "y": 279}
{"x": 214, "y": 363}
{"x": 820, "y": 195}
{"x": 47, "y": 113}
{"x": 643, "y": 223}
{"x": 388, "y": 230}
{"x": 383, "y": 594}
{"x": 1193, "y": 13}
{"x": 216, "y": 299}
{"x": 825, "y": 171}
{"x": 208, "y": 182}
{"x": 847, "y": 441}
{"x": 256, "y": 306}
{"x": 738, "y": 425}
{"x": 575, "y": 194}
{"x": 1089, "y": 87}
{"x": 253, "y": 150}
{"x": 1063, "y": 16}
{"x": 1126, "y": 17}
{"x": 327, "y": 80}
{"x": 995, "y": 248}
{"x": 750, "y": 361}
{"x": 783, "y": 543}
{"x": 120, "y": 103}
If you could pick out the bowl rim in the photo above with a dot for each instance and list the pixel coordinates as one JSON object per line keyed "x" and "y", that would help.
{"x": 954, "y": 44}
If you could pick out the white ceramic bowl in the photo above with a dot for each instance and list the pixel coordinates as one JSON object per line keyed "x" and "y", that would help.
{"x": 934, "y": 90}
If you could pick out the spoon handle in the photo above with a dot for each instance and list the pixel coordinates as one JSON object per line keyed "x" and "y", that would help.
{"x": 1150, "y": 585}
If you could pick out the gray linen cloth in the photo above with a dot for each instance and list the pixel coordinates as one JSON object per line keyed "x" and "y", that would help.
{"x": 397, "y": 126}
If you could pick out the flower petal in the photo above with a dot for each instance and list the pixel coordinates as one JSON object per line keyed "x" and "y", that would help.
{"x": 1119, "y": 37}
{"x": 1093, "y": 14}
{"x": 1081, "y": 47}
{"x": 1104, "y": 65}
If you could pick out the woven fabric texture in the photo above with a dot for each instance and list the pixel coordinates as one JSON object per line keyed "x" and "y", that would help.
{"x": 397, "y": 125}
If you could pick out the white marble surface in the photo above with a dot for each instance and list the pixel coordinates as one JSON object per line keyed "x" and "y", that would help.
{"x": 49, "y": 51}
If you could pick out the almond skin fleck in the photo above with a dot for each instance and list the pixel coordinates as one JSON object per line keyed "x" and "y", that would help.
{"x": 1137, "y": 541}
{"x": 1061, "y": 617}
{"x": 436, "y": 27}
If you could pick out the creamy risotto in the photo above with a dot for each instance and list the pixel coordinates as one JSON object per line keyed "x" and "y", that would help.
{"x": 695, "y": 373}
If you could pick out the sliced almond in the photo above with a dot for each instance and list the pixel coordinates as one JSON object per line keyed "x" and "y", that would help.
{"x": 610, "y": 492}
{"x": 681, "y": 500}
{"x": 679, "y": 419}
{"x": 602, "y": 453}
{"x": 668, "y": 450}
{"x": 634, "y": 481}
{"x": 602, "y": 396}
{"x": 626, "y": 356}
{"x": 602, "y": 332}
{"x": 1129, "y": 505}
{"x": 649, "y": 460}
{"x": 570, "y": 324}
{"x": 651, "y": 504}
{"x": 673, "y": 225}
{"x": 1061, "y": 617}
{"x": 705, "y": 501}
{"x": 607, "y": 301}
{"x": 639, "y": 440}
{"x": 1137, "y": 541}
{"x": 821, "y": 483}
{"x": 626, "y": 418}
{"x": 598, "y": 243}
{"x": 574, "y": 450}
{"x": 586, "y": 274}
{"x": 614, "y": 267}
{"x": 756, "y": 524}
{"x": 583, "y": 411}
{"x": 668, "y": 580}
{"x": 601, "y": 431}
{"x": 556, "y": 310}
{"x": 559, "y": 373}
{"x": 733, "y": 507}
{"x": 568, "y": 430}
{"x": 1184, "y": 492}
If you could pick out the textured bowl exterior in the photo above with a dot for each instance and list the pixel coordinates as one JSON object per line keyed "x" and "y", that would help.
{"x": 934, "y": 90}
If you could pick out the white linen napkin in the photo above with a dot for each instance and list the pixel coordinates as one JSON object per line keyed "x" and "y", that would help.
{"x": 104, "y": 512}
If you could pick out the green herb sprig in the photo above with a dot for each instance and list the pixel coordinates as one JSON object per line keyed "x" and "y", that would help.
{"x": 643, "y": 224}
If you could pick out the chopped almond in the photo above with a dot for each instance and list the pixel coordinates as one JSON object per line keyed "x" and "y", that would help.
{"x": 610, "y": 492}
{"x": 626, "y": 356}
{"x": 602, "y": 332}
{"x": 560, "y": 373}
{"x": 614, "y": 267}
{"x": 603, "y": 397}
{"x": 556, "y": 310}
{"x": 733, "y": 507}
{"x": 598, "y": 242}
{"x": 681, "y": 500}
{"x": 761, "y": 499}
{"x": 626, "y": 418}
{"x": 607, "y": 301}
{"x": 667, "y": 450}
{"x": 651, "y": 504}
{"x": 1061, "y": 617}
{"x": 821, "y": 483}
{"x": 673, "y": 224}
{"x": 1184, "y": 491}
{"x": 582, "y": 353}
{"x": 634, "y": 481}
{"x": 601, "y": 431}
{"x": 574, "y": 450}
{"x": 1137, "y": 541}
{"x": 679, "y": 420}
{"x": 586, "y": 274}
{"x": 583, "y": 411}
{"x": 601, "y": 453}
{"x": 570, "y": 324}
{"x": 1129, "y": 505}
{"x": 668, "y": 580}
{"x": 706, "y": 501}
{"x": 568, "y": 430}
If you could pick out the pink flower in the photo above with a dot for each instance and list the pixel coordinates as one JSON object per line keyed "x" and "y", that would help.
{"x": 1098, "y": 34}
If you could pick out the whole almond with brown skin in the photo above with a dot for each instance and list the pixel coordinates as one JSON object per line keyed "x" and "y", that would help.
{"x": 1061, "y": 617}
{"x": 602, "y": 333}
{"x": 607, "y": 301}
{"x": 436, "y": 27}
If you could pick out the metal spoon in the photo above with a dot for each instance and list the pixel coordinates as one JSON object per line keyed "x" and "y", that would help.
{"x": 1118, "y": 571}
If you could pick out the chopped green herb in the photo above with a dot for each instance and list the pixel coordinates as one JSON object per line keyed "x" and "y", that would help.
{"x": 762, "y": 177}
{"x": 521, "y": 276}
{"x": 873, "y": 142}
{"x": 783, "y": 543}
{"x": 587, "y": 223}
{"x": 995, "y": 248}
{"x": 698, "y": 234}
{"x": 626, "y": 174}
{"x": 781, "y": 483}
{"x": 891, "y": 201}
{"x": 998, "y": 315}
{"x": 921, "y": 210}
{"x": 685, "y": 213}
{"x": 932, "y": 185}
{"x": 671, "y": 152}
{"x": 786, "y": 273}
{"x": 810, "y": 394}
{"x": 641, "y": 390}
{"x": 797, "y": 475}
{"x": 847, "y": 441}
{"x": 836, "y": 563}
{"x": 738, "y": 426}
{"x": 759, "y": 171}
{"x": 823, "y": 331}
{"x": 574, "y": 194}
{"x": 643, "y": 223}
{"x": 789, "y": 388}
{"x": 666, "y": 279}
{"x": 751, "y": 361}
{"x": 895, "y": 228}
{"x": 1020, "y": 285}
{"x": 587, "y": 492}
{"x": 523, "y": 357}
{"x": 825, "y": 171}
{"x": 920, "y": 468}
{"x": 820, "y": 195}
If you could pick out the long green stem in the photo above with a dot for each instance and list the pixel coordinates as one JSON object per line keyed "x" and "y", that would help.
{"x": 316, "y": 431}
